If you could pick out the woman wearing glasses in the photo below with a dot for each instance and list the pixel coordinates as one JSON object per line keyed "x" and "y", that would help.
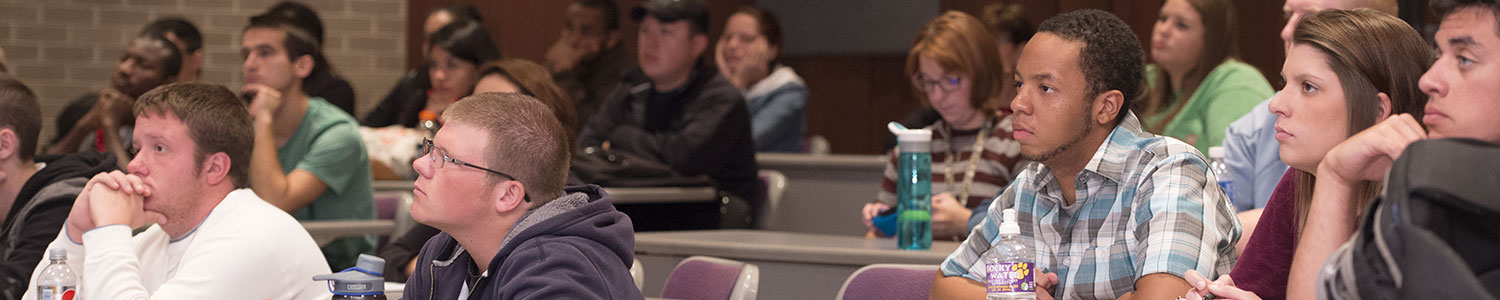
{"x": 954, "y": 65}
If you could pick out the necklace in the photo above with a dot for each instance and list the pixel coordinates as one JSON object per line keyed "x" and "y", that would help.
{"x": 976, "y": 152}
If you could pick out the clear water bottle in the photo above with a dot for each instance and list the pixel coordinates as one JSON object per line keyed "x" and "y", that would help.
{"x": 914, "y": 189}
{"x": 1010, "y": 268}
{"x": 362, "y": 282}
{"x": 57, "y": 281}
{"x": 1216, "y": 164}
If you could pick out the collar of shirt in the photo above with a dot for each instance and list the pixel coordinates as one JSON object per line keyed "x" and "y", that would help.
{"x": 1111, "y": 160}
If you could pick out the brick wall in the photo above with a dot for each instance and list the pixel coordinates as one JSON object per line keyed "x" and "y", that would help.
{"x": 65, "y": 48}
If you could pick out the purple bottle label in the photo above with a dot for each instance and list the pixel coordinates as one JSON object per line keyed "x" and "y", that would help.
{"x": 1009, "y": 277}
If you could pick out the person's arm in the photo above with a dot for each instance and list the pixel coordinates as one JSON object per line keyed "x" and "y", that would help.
{"x": 1363, "y": 157}
{"x": 956, "y": 287}
{"x": 1242, "y": 147}
{"x": 1158, "y": 286}
{"x": 287, "y": 191}
{"x": 1191, "y": 227}
{"x": 73, "y": 139}
{"x": 597, "y": 128}
{"x": 563, "y": 271}
{"x": 781, "y": 116}
{"x": 709, "y": 126}
{"x": 960, "y": 276}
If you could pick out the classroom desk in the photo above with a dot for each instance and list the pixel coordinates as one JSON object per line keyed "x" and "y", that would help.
{"x": 824, "y": 193}
{"x": 631, "y": 195}
{"x": 792, "y": 265}
{"x": 324, "y": 232}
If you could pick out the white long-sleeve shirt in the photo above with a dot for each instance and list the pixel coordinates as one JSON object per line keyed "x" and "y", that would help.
{"x": 244, "y": 249}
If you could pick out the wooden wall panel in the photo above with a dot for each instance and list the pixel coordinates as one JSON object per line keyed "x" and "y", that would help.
{"x": 525, "y": 29}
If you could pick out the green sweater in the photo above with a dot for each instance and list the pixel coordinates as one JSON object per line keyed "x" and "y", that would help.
{"x": 1226, "y": 94}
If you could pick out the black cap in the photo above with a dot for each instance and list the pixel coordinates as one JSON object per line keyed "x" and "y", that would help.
{"x": 672, "y": 10}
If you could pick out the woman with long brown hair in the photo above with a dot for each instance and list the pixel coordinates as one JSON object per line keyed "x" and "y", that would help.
{"x": 1346, "y": 70}
{"x": 1196, "y": 84}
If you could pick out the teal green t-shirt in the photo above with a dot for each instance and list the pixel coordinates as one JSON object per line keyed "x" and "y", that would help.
{"x": 327, "y": 144}
{"x": 1230, "y": 91}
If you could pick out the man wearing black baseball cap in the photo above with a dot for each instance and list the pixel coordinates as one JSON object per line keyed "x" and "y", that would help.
{"x": 679, "y": 110}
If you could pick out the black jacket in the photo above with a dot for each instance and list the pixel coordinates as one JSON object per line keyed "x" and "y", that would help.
{"x": 707, "y": 129}
{"x": 403, "y": 104}
{"x": 591, "y": 82}
{"x": 575, "y": 247}
{"x": 39, "y": 212}
{"x": 325, "y": 84}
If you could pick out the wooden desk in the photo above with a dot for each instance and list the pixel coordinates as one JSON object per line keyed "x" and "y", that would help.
{"x": 792, "y": 265}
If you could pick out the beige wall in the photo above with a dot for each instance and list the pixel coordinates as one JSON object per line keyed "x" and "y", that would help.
{"x": 65, "y": 48}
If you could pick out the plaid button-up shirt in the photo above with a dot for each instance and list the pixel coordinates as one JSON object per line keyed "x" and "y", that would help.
{"x": 1146, "y": 204}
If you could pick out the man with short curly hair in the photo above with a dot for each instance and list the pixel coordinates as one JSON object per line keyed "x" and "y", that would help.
{"x": 1111, "y": 210}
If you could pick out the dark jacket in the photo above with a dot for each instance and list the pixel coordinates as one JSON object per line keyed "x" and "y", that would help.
{"x": 591, "y": 82}
{"x": 323, "y": 83}
{"x": 403, "y": 249}
{"x": 705, "y": 129}
{"x": 574, "y": 247}
{"x": 403, "y": 104}
{"x": 41, "y": 208}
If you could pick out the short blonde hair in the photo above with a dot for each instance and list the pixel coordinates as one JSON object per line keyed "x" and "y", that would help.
{"x": 526, "y": 140}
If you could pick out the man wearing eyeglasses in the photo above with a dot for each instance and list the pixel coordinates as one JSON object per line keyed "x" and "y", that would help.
{"x": 492, "y": 181}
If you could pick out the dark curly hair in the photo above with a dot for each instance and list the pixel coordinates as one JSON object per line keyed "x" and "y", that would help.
{"x": 1445, "y": 7}
{"x": 1111, "y": 57}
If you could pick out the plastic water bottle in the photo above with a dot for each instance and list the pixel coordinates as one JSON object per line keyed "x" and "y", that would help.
{"x": 427, "y": 120}
{"x": 1216, "y": 164}
{"x": 57, "y": 281}
{"x": 1009, "y": 270}
{"x": 363, "y": 282}
{"x": 914, "y": 189}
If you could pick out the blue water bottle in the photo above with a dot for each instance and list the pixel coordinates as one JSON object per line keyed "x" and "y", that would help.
{"x": 914, "y": 189}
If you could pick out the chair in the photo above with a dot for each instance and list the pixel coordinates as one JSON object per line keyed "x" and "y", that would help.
{"x": 816, "y": 145}
{"x": 638, "y": 272}
{"x": 703, "y": 277}
{"x": 775, "y": 184}
{"x": 394, "y": 206}
{"x": 889, "y": 281}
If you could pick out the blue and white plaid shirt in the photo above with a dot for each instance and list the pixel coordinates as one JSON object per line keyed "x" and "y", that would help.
{"x": 1146, "y": 205}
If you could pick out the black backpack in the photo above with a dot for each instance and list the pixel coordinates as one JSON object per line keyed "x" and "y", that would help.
{"x": 1434, "y": 234}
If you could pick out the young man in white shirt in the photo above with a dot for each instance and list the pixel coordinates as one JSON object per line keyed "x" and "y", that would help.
{"x": 212, "y": 239}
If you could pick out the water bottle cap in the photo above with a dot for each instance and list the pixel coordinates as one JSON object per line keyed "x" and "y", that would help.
{"x": 363, "y": 279}
{"x": 909, "y": 135}
{"x": 1216, "y": 152}
{"x": 914, "y": 135}
{"x": 57, "y": 253}
{"x": 1009, "y": 224}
